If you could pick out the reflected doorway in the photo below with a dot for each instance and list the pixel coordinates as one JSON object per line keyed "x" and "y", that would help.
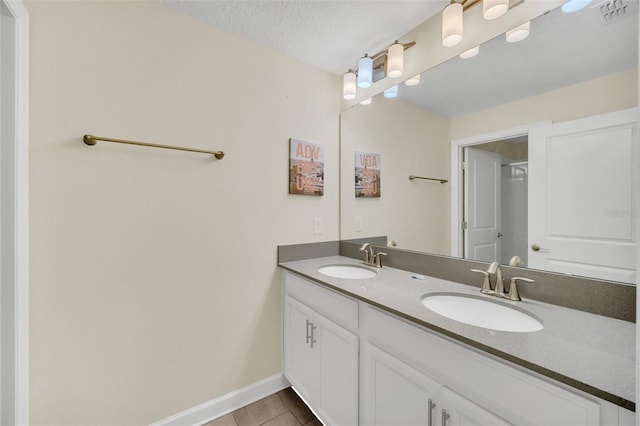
{"x": 495, "y": 206}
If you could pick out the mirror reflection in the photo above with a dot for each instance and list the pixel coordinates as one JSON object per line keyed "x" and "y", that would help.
{"x": 537, "y": 141}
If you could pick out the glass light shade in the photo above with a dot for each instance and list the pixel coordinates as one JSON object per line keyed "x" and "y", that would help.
{"x": 395, "y": 60}
{"x": 367, "y": 101}
{"x": 391, "y": 92}
{"x": 349, "y": 85}
{"x": 413, "y": 81}
{"x": 452, "y": 25}
{"x": 470, "y": 53}
{"x": 519, "y": 33}
{"x": 365, "y": 72}
{"x": 493, "y": 9}
{"x": 575, "y": 5}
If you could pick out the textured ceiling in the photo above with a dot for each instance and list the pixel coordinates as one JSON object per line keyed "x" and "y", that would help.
{"x": 562, "y": 49}
{"x": 331, "y": 35}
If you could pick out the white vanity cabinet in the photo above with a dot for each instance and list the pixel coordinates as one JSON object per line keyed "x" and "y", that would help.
{"x": 472, "y": 387}
{"x": 356, "y": 364}
{"x": 320, "y": 351}
{"x": 394, "y": 393}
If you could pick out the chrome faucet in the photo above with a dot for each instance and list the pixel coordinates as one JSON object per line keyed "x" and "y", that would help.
{"x": 371, "y": 258}
{"x": 499, "y": 290}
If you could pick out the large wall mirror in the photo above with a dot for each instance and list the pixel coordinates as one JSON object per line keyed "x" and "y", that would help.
{"x": 537, "y": 142}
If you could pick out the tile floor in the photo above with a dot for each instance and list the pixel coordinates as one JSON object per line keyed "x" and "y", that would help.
{"x": 283, "y": 408}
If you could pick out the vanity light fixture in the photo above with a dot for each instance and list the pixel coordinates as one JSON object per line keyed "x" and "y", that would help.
{"x": 452, "y": 16}
{"x": 367, "y": 101}
{"x": 470, "y": 53}
{"x": 349, "y": 85}
{"x": 395, "y": 60}
{"x": 391, "y": 92}
{"x": 365, "y": 72}
{"x": 575, "y": 5}
{"x": 518, "y": 33}
{"x": 389, "y": 62}
{"x": 413, "y": 81}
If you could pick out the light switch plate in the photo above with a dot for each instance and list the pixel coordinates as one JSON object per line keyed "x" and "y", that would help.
{"x": 358, "y": 224}
{"x": 317, "y": 226}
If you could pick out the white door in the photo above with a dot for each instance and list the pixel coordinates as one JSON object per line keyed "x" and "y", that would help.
{"x": 394, "y": 393}
{"x": 459, "y": 411}
{"x": 482, "y": 205}
{"x": 336, "y": 354}
{"x": 583, "y": 196}
{"x": 298, "y": 354}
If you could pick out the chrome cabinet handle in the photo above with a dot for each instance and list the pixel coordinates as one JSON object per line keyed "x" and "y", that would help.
{"x": 313, "y": 340}
{"x": 445, "y": 416}
{"x": 308, "y": 333}
{"x": 431, "y": 406}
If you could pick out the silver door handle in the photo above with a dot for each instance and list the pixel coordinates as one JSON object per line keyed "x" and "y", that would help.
{"x": 445, "y": 416}
{"x": 431, "y": 406}
{"x": 536, "y": 247}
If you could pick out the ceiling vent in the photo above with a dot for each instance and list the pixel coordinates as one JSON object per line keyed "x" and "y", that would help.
{"x": 615, "y": 9}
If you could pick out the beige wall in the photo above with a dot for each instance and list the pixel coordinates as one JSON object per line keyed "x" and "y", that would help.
{"x": 154, "y": 285}
{"x": 410, "y": 141}
{"x": 605, "y": 94}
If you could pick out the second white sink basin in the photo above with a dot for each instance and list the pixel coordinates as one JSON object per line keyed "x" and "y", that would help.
{"x": 481, "y": 312}
{"x": 347, "y": 271}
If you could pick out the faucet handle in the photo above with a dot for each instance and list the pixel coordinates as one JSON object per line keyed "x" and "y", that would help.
{"x": 486, "y": 284}
{"x": 513, "y": 288}
{"x": 379, "y": 259}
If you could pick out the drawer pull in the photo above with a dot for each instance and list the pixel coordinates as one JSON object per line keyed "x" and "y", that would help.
{"x": 445, "y": 416}
{"x": 432, "y": 405}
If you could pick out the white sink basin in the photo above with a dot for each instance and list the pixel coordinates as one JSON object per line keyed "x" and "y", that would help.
{"x": 481, "y": 312}
{"x": 352, "y": 272}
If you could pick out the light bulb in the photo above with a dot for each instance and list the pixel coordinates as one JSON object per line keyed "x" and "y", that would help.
{"x": 470, "y": 53}
{"x": 365, "y": 72}
{"x": 349, "y": 85}
{"x": 519, "y": 33}
{"x": 391, "y": 92}
{"x": 413, "y": 80}
{"x": 395, "y": 60}
{"x": 493, "y": 9}
{"x": 452, "y": 24}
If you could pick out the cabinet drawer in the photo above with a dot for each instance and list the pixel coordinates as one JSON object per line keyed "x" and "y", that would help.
{"x": 507, "y": 391}
{"x": 340, "y": 309}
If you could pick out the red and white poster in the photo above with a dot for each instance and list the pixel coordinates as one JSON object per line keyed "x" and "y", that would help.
{"x": 306, "y": 168}
{"x": 367, "y": 174}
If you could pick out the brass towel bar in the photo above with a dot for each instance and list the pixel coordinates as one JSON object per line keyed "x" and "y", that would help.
{"x": 92, "y": 140}
{"x": 412, "y": 177}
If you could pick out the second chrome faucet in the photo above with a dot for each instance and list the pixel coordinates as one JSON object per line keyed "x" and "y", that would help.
{"x": 371, "y": 258}
{"x": 498, "y": 289}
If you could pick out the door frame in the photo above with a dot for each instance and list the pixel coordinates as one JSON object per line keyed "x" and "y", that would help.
{"x": 457, "y": 195}
{"x": 15, "y": 397}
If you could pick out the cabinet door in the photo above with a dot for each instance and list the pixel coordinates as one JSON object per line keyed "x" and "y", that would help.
{"x": 394, "y": 393}
{"x": 463, "y": 412}
{"x": 336, "y": 354}
{"x": 298, "y": 354}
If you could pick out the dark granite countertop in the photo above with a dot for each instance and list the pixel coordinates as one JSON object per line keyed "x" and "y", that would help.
{"x": 592, "y": 353}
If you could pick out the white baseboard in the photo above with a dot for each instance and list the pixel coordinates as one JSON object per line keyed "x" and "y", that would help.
{"x": 225, "y": 404}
